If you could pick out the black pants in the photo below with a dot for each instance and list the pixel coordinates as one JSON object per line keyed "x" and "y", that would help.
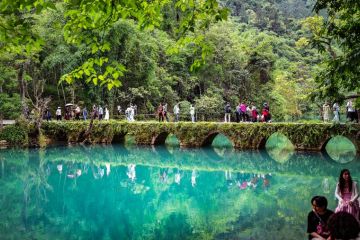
{"x": 237, "y": 116}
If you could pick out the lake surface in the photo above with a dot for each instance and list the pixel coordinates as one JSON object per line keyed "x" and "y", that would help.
{"x": 134, "y": 192}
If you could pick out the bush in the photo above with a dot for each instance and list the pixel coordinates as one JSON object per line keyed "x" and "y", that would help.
{"x": 16, "y": 134}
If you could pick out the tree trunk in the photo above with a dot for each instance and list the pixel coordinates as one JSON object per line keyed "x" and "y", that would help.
{"x": 20, "y": 77}
{"x": 87, "y": 134}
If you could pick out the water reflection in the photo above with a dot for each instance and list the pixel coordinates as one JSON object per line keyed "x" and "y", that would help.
{"x": 279, "y": 147}
{"x": 138, "y": 193}
{"x": 341, "y": 149}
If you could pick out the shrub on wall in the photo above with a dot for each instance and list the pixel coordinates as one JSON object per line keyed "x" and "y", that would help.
{"x": 16, "y": 134}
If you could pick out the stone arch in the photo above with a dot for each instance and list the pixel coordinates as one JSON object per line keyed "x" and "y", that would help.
{"x": 81, "y": 136}
{"x": 354, "y": 139}
{"x": 119, "y": 137}
{"x": 210, "y": 138}
{"x": 61, "y": 136}
{"x": 261, "y": 143}
{"x": 159, "y": 139}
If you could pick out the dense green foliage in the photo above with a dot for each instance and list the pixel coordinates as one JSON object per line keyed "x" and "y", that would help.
{"x": 339, "y": 29}
{"x": 16, "y": 135}
{"x": 161, "y": 51}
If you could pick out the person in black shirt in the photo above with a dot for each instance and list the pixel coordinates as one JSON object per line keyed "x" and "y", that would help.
{"x": 317, "y": 219}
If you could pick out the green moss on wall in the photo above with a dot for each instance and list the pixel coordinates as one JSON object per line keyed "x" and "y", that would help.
{"x": 305, "y": 136}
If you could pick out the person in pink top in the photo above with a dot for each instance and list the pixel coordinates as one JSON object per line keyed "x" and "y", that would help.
{"x": 243, "y": 111}
{"x": 347, "y": 193}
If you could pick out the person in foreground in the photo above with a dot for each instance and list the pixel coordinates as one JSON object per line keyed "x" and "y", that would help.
{"x": 317, "y": 219}
{"x": 343, "y": 226}
{"x": 347, "y": 193}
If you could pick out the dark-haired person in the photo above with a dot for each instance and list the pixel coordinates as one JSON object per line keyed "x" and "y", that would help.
{"x": 344, "y": 226}
{"x": 347, "y": 193}
{"x": 317, "y": 219}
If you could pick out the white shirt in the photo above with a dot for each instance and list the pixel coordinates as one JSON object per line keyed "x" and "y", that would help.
{"x": 350, "y": 107}
{"x": 192, "y": 110}
{"x": 176, "y": 109}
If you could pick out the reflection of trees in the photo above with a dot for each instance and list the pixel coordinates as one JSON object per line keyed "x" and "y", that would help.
{"x": 201, "y": 160}
{"x": 113, "y": 207}
{"x": 341, "y": 149}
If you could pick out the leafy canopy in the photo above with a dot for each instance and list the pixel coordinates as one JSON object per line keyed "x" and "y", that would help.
{"x": 340, "y": 29}
{"x": 87, "y": 22}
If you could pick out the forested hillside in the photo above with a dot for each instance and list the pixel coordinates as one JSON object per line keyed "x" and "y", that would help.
{"x": 259, "y": 54}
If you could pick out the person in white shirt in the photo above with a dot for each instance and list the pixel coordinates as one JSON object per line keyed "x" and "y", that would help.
{"x": 176, "y": 112}
{"x": 336, "y": 110}
{"x": 106, "y": 114}
{"x": 58, "y": 113}
{"x": 192, "y": 113}
{"x": 351, "y": 113}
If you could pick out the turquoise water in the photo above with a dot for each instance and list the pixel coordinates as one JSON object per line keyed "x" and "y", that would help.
{"x": 134, "y": 192}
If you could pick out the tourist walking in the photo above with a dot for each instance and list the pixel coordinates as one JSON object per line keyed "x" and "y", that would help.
{"x": 266, "y": 116}
{"x": 317, "y": 219}
{"x": 192, "y": 113}
{"x": 350, "y": 111}
{"x": 165, "y": 112}
{"x": 101, "y": 112}
{"x": 254, "y": 113}
{"x": 347, "y": 194}
{"x": 160, "y": 112}
{"x": 176, "y": 112}
{"x": 47, "y": 115}
{"x": 336, "y": 110}
{"x": 131, "y": 113}
{"x": 77, "y": 113}
{"x": 227, "y": 112}
{"x": 237, "y": 113}
{"x": 326, "y": 112}
{"x": 58, "y": 114}
{"x": 243, "y": 111}
{"x": 85, "y": 113}
{"x": 107, "y": 115}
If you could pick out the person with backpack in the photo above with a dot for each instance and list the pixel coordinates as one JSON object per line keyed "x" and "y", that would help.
{"x": 254, "y": 113}
{"x": 227, "y": 112}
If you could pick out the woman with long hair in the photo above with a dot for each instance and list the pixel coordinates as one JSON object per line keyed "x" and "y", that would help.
{"x": 347, "y": 193}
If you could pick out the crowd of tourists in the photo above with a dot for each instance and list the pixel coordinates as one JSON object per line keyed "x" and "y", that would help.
{"x": 248, "y": 113}
{"x": 323, "y": 223}
{"x": 76, "y": 113}
{"x": 243, "y": 113}
{"x": 162, "y": 112}
{"x": 351, "y": 113}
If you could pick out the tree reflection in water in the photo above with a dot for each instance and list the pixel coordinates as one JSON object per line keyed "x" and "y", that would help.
{"x": 240, "y": 195}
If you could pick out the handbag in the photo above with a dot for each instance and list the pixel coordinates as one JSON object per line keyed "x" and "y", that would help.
{"x": 322, "y": 228}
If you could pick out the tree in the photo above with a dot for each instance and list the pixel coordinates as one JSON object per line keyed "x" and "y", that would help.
{"x": 340, "y": 28}
{"x": 87, "y": 21}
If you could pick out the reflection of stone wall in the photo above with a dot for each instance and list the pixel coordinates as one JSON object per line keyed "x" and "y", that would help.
{"x": 311, "y": 137}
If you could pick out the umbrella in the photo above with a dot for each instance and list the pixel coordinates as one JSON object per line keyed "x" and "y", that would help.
{"x": 69, "y": 104}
